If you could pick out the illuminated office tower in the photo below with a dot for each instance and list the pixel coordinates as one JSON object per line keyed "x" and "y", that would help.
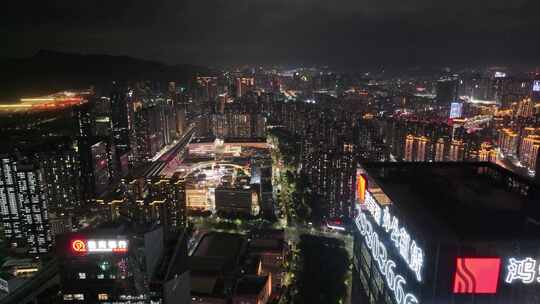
{"x": 23, "y": 204}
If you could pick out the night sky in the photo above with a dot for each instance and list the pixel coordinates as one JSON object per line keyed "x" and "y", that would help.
{"x": 340, "y": 32}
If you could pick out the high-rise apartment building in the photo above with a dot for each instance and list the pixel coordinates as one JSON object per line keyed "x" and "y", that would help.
{"x": 529, "y": 152}
{"x": 24, "y": 204}
{"x": 122, "y": 116}
{"x": 61, "y": 171}
{"x": 508, "y": 142}
{"x": 243, "y": 85}
{"x": 447, "y": 91}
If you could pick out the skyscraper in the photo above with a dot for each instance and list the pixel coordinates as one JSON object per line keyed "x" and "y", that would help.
{"x": 23, "y": 204}
{"x": 121, "y": 110}
{"x": 61, "y": 172}
{"x": 447, "y": 91}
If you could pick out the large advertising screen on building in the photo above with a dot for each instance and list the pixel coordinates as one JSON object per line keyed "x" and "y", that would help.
{"x": 536, "y": 86}
{"x": 456, "y": 109}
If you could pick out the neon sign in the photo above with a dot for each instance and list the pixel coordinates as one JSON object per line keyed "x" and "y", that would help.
{"x": 78, "y": 246}
{"x": 524, "y": 271}
{"x": 411, "y": 253}
{"x": 477, "y": 275}
{"x": 99, "y": 246}
{"x": 396, "y": 282}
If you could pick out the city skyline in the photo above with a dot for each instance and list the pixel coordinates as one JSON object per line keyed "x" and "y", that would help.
{"x": 270, "y": 152}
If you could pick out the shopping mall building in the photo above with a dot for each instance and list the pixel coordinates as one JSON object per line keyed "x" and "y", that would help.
{"x": 445, "y": 233}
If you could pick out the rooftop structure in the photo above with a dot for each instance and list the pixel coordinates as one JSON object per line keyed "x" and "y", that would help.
{"x": 458, "y": 200}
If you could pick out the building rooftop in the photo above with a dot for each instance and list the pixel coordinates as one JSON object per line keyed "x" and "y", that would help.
{"x": 251, "y": 285}
{"x": 215, "y": 247}
{"x": 459, "y": 200}
{"x": 206, "y": 285}
{"x": 266, "y": 245}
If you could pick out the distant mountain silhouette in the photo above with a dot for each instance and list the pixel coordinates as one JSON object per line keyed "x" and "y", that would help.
{"x": 52, "y": 71}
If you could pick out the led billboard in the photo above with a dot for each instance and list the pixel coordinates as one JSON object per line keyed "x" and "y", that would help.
{"x": 456, "y": 110}
{"x": 536, "y": 86}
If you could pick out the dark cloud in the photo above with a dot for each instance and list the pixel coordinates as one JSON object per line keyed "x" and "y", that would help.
{"x": 280, "y": 31}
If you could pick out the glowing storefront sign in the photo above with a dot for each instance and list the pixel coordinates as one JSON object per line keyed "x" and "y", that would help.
{"x": 524, "y": 271}
{"x": 396, "y": 283}
{"x": 411, "y": 253}
{"x": 99, "y": 246}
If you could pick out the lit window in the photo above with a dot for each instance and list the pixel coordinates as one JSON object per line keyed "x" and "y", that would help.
{"x": 78, "y": 296}
{"x": 82, "y": 275}
{"x": 103, "y": 296}
{"x": 100, "y": 276}
{"x": 68, "y": 297}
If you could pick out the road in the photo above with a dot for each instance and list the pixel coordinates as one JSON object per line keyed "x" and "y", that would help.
{"x": 510, "y": 165}
{"x": 174, "y": 154}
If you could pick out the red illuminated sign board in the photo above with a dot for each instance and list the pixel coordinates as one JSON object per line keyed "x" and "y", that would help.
{"x": 476, "y": 275}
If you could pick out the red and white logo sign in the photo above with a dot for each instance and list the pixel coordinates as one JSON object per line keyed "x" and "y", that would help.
{"x": 78, "y": 246}
{"x": 99, "y": 246}
{"x": 477, "y": 275}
